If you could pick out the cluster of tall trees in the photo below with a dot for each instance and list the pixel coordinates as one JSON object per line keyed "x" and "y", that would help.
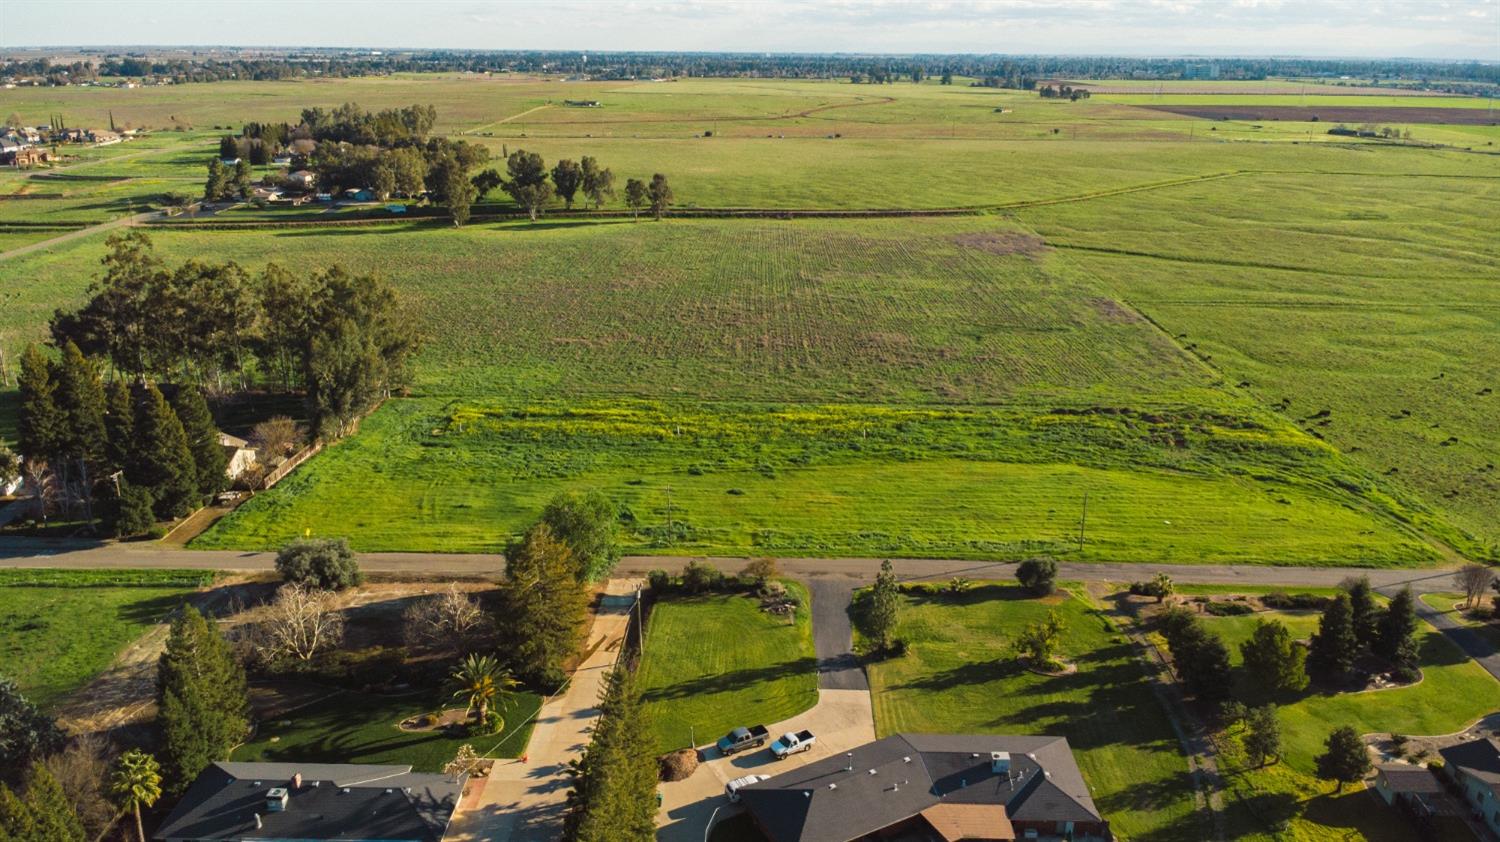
{"x": 227, "y": 181}
{"x": 1353, "y": 625}
{"x": 124, "y": 444}
{"x": 336, "y": 335}
{"x": 1200, "y": 656}
{"x": 614, "y": 782}
{"x": 57, "y": 789}
{"x": 1063, "y": 91}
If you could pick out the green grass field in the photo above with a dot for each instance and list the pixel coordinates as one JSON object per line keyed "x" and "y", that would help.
{"x": 717, "y": 662}
{"x": 361, "y": 728}
{"x": 1488, "y": 629}
{"x": 58, "y": 629}
{"x": 959, "y": 676}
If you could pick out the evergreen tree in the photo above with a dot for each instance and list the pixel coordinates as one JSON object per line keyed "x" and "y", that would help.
{"x": 1205, "y": 671}
{"x": 1364, "y": 614}
{"x": 545, "y": 605}
{"x": 1276, "y": 661}
{"x": 39, "y": 427}
{"x": 129, "y": 511}
{"x": 884, "y": 606}
{"x": 26, "y": 734}
{"x": 209, "y": 462}
{"x": 80, "y": 405}
{"x": 56, "y": 820}
{"x": 635, "y": 196}
{"x": 119, "y": 425}
{"x": 1394, "y": 640}
{"x": 162, "y": 462}
{"x": 660, "y": 194}
{"x": 16, "y": 819}
{"x": 567, "y": 177}
{"x": 1345, "y": 760}
{"x": 1334, "y": 646}
{"x": 218, "y": 181}
{"x": 201, "y": 692}
{"x": 598, "y": 182}
{"x": 614, "y": 793}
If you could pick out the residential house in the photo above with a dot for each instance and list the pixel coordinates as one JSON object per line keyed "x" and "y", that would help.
{"x": 241, "y": 454}
{"x": 1475, "y": 767}
{"x": 230, "y": 162}
{"x": 105, "y": 138}
{"x": 282, "y": 160}
{"x": 302, "y": 180}
{"x": 311, "y": 802}
{"x": 1417, "y": 791}
{"x": 932, "y": 786}
{"x": 359, "y": 194}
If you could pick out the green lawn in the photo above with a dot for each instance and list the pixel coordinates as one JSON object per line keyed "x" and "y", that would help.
{"x": 361, "y": 728}
{"x": 1453, "y": 693}
{"x": 1488, "y": 629}
{"x": 58, "y": 629}
{"x": 717, "y": 662}
{"x": 959, "y": 676}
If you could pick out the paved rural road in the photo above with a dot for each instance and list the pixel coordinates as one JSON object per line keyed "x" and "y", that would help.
{"x": 825, "y": 574}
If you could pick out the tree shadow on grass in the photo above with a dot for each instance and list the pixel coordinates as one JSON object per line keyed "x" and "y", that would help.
{"x": 1149, "y": 796}
{"x": 153, "y": 609}
{"x": 726, "y": 681}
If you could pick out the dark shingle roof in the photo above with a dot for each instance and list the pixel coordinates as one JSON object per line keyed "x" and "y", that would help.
{"x": 335, "y": 802}
{"x": 1479, "y": 759}
{"x": 902, "y": 775}
{"x": 1404, "y": 777}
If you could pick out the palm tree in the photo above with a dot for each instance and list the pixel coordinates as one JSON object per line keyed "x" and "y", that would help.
{"x": 136, "y": 783}
{"x": 479, "y": 679}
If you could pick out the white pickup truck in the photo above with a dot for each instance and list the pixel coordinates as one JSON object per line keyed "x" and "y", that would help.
{"x": 793, "y": 742}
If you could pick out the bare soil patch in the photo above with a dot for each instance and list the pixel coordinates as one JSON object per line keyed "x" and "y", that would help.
{"x": 1114, "y": 311}
{"x": 1337, "y": 114}
{"x": 1003, "y": 242}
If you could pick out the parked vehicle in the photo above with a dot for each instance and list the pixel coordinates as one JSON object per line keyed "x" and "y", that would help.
{"x": 732, "y": 789}
{"x": 742, "y": 738}
{"x": 793, "y": 742}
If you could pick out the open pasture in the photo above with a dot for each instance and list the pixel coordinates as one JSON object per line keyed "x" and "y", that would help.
{"x": 1358, "y": 312}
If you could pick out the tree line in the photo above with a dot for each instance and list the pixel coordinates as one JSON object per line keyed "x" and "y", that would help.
{"x": 338, "y": 336}
{"x": 333, "y": 62}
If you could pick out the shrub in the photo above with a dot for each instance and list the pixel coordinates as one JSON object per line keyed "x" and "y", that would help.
{"x": 1038, "y": 575}
{"x": 660, "y": 581}
{"x": 1228, "y": 609}
{"x": 325, "y": 563}
{"x": 958, "y": 586}
{"x": 700, "y": 576}
{"x": 760, "y": 571}
{"x": 1302, "y": 601}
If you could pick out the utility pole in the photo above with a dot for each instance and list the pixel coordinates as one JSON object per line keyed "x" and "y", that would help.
{"x": 669, "y": 509}
{"x": 1083, "y": 521}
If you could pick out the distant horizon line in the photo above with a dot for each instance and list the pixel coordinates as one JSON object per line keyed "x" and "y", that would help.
{"x": 790, "y": 53}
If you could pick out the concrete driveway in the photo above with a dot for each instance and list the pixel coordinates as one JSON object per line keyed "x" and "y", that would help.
{"x": 842, "y": 720}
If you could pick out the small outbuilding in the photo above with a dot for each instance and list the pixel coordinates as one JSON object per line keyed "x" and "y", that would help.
{"x": 241, "y": 454}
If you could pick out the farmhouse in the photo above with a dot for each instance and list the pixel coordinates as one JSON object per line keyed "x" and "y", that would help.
{"x": 1475, "y": 767}
{"x": 937, "y": 786}
{"x": 241, "y": 454}
{"x": 302, "y": 179}
{"x": 313, "y": 802}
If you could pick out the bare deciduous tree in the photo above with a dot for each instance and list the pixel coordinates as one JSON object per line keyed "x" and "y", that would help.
{"x": 82, "y": 770}
{"x": 450, "y": 619}
{"x": 301, "y": 622}
{"x": 1474, "y": 579}
{"x": 276, "y": 438}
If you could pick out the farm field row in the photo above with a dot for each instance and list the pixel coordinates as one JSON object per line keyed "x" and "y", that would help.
{"x": 745, "y": 480}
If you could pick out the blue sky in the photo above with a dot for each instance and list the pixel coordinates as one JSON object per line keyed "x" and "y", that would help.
{"x": 1454, "y": 29}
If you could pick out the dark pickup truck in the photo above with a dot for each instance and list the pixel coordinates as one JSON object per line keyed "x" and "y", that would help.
{"x": 742, "y": 738}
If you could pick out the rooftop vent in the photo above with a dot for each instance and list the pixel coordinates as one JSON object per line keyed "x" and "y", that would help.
{"x": 345, "y": 790}
{"x": 276, "y": 799}
{"x": 297, "y": 781}
{"x": 258, "y": 823}
{"x": 906, "y": 760}
{"x": 1000, "y": 762}
{"x": 872, "y": 771}
{"x": 833, "y": 786}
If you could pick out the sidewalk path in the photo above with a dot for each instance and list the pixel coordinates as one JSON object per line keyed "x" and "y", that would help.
{"x": 525, "y": 800}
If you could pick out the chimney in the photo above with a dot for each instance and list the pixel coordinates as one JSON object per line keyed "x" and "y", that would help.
{"x": 1000, "y": 762}
{"x": 296, "y": 781}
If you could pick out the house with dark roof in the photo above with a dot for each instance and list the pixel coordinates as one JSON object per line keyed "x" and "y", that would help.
{"x": 313, "y": 802}
{"x": 1475, "y": 767}
{"x": 937, "y": 787}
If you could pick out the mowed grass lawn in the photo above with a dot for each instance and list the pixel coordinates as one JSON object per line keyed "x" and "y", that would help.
{"x": 1446, "y": 602}
{"x": 717, "y": 661}
{"x": 58, "y": 629}
{"x": 361, "y": 728}
{"x": 960, "y": 676}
